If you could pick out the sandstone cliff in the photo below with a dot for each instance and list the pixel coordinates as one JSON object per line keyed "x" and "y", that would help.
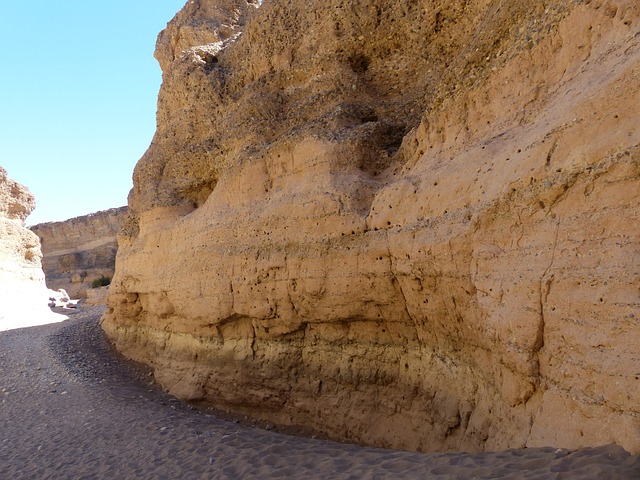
{"x": 24, "y": 297}
{"x": 80, "y": 250}
{"x": 407, "y": 223}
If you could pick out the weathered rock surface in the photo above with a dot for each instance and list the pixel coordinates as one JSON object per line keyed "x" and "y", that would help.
{"x": 80, "y": 250}
{"x": 24, "y": 297}
{"x": 411, "y": 224}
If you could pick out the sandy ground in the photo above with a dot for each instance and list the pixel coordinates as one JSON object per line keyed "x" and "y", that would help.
{"x": 70, "y": 408}
{"x": 27, "y": 308}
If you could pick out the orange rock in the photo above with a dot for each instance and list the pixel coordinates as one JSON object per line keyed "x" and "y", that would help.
{"x": 409, "y": 224}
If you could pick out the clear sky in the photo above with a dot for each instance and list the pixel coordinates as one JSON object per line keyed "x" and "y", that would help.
{"x": 78, "y": 91}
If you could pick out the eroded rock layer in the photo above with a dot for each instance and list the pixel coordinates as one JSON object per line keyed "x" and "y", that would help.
{"x": 80, "y": 250}
{"x": 411, "y": 223}
{"x": 22, "y": 288}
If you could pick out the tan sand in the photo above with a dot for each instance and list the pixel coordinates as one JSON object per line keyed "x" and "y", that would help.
{"x": 70, "y": 408}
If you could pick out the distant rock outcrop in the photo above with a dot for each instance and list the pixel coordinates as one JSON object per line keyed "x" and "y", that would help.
{"x": 407, "y": 223}
{"x": 97, "y": 296}
{"x": 24, "y": 297}
{"x": 80, "y": 250}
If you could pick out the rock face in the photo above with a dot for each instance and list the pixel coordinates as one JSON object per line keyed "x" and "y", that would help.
{"x": 23, "y": 294}
{"x": 407, "y": 223}
{"x": 97, "y": 296}
{"x": 80, "y": 250}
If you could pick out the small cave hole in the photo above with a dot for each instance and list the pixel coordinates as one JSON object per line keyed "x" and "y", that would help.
{"x": 439, "y": 22}
{"x": 209, "y": 59}
{"x": 369, "y": 118}
{"x": 359, "y": 63}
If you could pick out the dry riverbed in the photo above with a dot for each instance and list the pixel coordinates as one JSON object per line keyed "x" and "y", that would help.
{"x": 70, "y": 408}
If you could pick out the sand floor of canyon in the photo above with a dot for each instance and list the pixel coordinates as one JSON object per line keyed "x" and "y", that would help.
{"x": 71, "y": 408}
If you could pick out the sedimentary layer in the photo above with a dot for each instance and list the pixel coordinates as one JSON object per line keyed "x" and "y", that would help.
{"x": 409, "y": 224}
{"x": 80, "y": 250}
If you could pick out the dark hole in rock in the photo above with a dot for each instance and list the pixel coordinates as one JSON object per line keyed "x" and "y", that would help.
{"x": 359, "y": 63}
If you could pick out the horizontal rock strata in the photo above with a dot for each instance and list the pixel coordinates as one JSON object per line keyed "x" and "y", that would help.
{"x": 80, "y": 250}
{"x": 410, "y": 224}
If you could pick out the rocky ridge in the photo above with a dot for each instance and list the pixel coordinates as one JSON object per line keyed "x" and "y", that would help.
{"x": 80, "y": 250}
{"x": 408, "y": 224}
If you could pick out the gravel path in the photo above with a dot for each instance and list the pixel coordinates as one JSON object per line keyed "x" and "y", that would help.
{"x": 70, "y": 408}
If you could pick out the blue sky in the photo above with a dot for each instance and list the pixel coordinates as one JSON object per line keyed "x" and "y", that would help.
{"x": 78, "y": 91}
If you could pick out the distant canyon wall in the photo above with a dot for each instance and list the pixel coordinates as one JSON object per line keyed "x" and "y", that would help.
{"x": 80, "y": 250}
{"x": 406, "y": 223}
{"x": 22, "y": 288}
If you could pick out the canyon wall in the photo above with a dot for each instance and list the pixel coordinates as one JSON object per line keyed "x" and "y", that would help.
{"x": 24, "y": 297}
{"x": 412, "y": 224}
{"x": 80, "y": 250}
